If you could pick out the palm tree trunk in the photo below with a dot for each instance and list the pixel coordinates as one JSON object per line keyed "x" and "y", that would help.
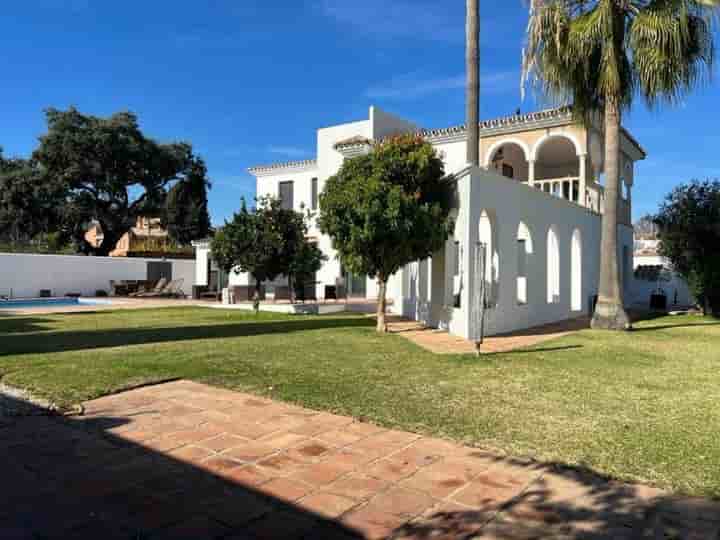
{"x": 382, "y": 306}
{"x": 473, "y": 82}
{"x": 610, "y": 313}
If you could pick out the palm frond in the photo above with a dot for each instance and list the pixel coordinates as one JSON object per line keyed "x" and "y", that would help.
{"x": 673, "y": 48}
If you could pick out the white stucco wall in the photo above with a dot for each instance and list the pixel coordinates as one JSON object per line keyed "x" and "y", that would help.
{"x": 509, "y": 202}
{"x": 27, "y": 274}
{"x": 676, "y": 289}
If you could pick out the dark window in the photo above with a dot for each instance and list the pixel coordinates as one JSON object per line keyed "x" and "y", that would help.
{"x": 314, "y": 194}
{"x": 508, "y": 171}
{"x": 286, "y": 195}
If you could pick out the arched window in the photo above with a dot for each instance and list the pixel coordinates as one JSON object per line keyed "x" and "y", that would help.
{"x": 525, "y": 249}
{"x": 576, "y": 268}
{"x": 510, "y": 159}
{"x": 553, "y": 267}
{"x": 491, "y": 257}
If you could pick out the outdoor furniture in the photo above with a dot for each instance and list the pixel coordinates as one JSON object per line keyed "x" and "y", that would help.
{"x": 159, "y": 287}
{"x": 171, "y": 290}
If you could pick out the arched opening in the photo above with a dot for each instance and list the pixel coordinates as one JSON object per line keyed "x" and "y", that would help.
{"x": 510, "y": 160}
{"x": 490, "y": 256}
{"x": 525, "y": 249}
{"x": 557, "y": 167}
{"x": 553, "y": 267}
{"x": 576, "y": 268}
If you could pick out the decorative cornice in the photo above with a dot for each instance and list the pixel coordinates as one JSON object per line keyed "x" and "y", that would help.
{"x": 634, "y": 142}
{"x": 289, "y": 166}
{"x": 503, "y": 125}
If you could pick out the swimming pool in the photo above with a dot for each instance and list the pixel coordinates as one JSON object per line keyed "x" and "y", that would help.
{"x": 29, "y": 303}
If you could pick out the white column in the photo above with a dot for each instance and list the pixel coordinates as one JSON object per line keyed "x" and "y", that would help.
{"x": 531, "y": 172}
{"x": 582, "y": 195}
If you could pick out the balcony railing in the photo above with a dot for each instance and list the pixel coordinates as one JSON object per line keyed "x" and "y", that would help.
{"x": 569, "y": 189}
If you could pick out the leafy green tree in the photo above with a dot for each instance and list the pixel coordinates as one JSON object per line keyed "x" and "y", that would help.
{"x": 264, "y": 242}
{"x": 386, "y": 209}
{"x": 600, "y": 55}
{"x": 307, "y": 260}
{"x": 186, "y": 215}
{"x": 110, "y": 171}
{"x": 28, "y": 204}
{"x": 689, "y": 232}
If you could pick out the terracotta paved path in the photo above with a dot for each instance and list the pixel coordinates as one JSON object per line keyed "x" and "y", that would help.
{"x": 184, "y": 460}
{"x": 441, "y": 342}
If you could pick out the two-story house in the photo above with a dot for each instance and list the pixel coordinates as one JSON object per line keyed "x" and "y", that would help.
{"x": 527, "y": 233}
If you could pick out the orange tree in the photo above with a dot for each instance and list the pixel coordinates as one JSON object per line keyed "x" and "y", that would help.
{"x": 386, "y": 209}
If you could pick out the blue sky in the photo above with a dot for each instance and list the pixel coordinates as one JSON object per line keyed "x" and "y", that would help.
{"x": 248, "y": 82}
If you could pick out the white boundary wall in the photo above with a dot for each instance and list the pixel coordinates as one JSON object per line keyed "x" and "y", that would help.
{"x": 27, "y": 274}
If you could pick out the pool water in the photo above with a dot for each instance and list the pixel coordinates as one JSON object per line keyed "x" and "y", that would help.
{"x": 28, "y": 303}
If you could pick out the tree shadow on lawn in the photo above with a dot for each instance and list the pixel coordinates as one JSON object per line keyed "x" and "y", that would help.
{"x": 51, "y": 342}
{"x": 532, "y": 350}
{"x": 84, "y": 479}
{"x": 671, "y": 326}
{"x": 22, "y": 325}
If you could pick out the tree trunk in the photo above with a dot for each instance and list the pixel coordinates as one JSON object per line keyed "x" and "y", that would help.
{"x": 610, "y": 313}
{"x": 382, "y": 306}
{"x": 473, "y": 82}
{"x": 256, "y": 297}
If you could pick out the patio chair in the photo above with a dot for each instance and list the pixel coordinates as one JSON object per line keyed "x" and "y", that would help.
{"x": 159, "y": 287}
{"x": 174, "y": 289}
{"x": 171, "y": 290}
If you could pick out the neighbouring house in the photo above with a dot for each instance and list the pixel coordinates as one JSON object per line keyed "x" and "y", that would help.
{"x": 655, "y": 273}
{"x": 147, "y": 238}
{"x": 526, "y": 246}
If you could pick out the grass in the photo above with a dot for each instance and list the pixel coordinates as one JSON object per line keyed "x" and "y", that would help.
{"x": 644, "y": 406}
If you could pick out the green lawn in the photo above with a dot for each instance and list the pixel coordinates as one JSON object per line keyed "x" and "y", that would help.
{"x": 642, "y": 406}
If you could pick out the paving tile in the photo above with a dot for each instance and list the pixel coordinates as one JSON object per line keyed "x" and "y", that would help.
{"x": 373, "y": 523}
{"x": 327, "y": 505}
{"x": 280, "y": 464}
{"x": 222, "y": 442}
{"x": 190, "y": 454}
{"x": 402, "y": 502}
{"x": 285, "y": 489}
{"x": 363, "y": 429}
{"x": 439, "y": 482}
{"x": 282, "y": 440}
{"x": 309, "y": 450}
{"x": 251, "y": 451}
{"x": 490, "y": 490}
{"x": 247, "y": 475}
{"x": 339, "y": 437}
{"x": 219, "y": 464}
{"x": 357, "y": 486}
{"x": 392, "y": 469}
{"x": 321, "y": 474}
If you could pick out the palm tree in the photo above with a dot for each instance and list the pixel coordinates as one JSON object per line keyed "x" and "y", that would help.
{"x": 473, "y": 82}
{"x": 602, "y": 54}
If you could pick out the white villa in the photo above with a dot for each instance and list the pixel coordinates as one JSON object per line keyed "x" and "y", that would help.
{"x": 527, "y": 233}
